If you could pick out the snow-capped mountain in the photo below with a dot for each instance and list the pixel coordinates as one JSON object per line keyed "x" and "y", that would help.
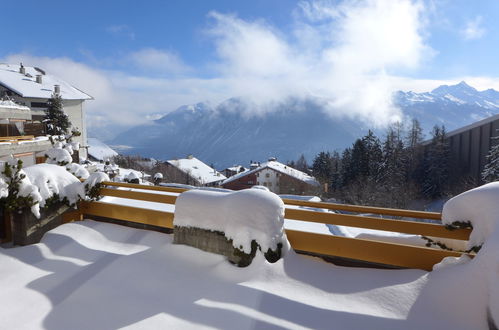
{"x": 453, "y": 106}
{"x": 224, "y": 135}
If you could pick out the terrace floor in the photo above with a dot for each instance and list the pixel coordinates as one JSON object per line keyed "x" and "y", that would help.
{"x": 93, "y": 275}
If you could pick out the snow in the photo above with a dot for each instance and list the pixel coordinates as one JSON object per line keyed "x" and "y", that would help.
{"x": 58, "y": 155}
{"x": 158, "y": 176}
{"x": 95, "y": 178}
{"x": 26, "y": 86}
{"x": 100, "y": 150}
{"x": 243, "y": 216}
{"x": 13, "y": 105}
{"x": 92, "y": 275}
{"x": 53, "y": 179}
{"x": 478, "y": 206}
{"x": 198, "y": 170}
{"x": 77, "y": 170}
{"x": 133, "y": 176}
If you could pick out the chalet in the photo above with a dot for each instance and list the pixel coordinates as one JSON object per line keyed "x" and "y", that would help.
{"x": 32, "y": 87}
{"x": 230, "y": 171}
{"x": 277, "y": 177}
{"x": 194, "y": 172}
{"x": 14, "y": 120}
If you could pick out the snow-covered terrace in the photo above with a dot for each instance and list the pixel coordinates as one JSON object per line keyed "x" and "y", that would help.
{"x": 97, "y": 275}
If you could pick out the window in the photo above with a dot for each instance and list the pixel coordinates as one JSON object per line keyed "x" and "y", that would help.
{"x": 267, "y": 175}
{"x": 39, "y": 105}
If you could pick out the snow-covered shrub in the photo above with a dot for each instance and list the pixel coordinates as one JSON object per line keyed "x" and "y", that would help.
{"x": 132, "y": 177}
{"x": 479, "y": 209}
{"x": 16, "y": 189}
{"x": 93, "y": 184}
{"x": 244, "y": 217}
{"x": 55, "y": 182}
{"x": 58, "y": 156}
{"x": 77, "y": 170}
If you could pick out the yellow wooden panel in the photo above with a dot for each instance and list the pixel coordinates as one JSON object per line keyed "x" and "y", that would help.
{"x": 409, "y": 227}
{"x": 366, "y": 209}
{"x": 71, "y": 216}
{"x": 128, "y": 213}
{"x": 138, "y": 195}
{"x": 367, "y": 250}
{"x": 143, "y": 187}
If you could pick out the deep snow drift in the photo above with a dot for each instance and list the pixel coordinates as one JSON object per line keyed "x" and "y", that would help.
{"x": 90, "y": 275}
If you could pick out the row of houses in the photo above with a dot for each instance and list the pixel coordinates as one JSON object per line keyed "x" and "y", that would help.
{"x": 277, "y": 177}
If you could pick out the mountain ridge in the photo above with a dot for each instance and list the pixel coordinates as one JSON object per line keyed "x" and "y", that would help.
{"x": 224, "y": 135}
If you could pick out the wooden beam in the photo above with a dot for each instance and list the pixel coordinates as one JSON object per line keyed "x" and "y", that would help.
{"x": 366, "y": 209}
{"x": 138, "y": 195}
{"x": 367, "y": 250}
{"x": 128, "y": 213}
{"x": 144, "y": 187}
{"x": 401, "y": 226}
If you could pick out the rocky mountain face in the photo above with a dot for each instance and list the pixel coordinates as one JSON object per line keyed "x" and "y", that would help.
{"x": 224, "y": 135}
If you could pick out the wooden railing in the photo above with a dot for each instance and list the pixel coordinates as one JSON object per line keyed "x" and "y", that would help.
{"x": 353, "y": 248}
{"x": 16, "y": 139}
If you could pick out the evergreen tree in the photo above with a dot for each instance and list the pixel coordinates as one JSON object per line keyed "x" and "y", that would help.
{"x": 321, "y": 168}
{"x": 301, "y": 164}
{"x": 56, "y": 120}
{"x": 490, "y": 172}
{"x": 436, "y": 165}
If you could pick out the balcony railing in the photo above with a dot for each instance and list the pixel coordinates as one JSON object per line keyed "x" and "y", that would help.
{"x": 394, "y": 254}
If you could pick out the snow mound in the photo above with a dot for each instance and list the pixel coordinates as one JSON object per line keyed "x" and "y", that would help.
{"x": 243, "y": 216}
{"x": 53, "y": 179}
{"x": 95, "y": 178}
{"x": 477, "y": 206}
{"x": 58, "y": 156}
{"x": 77, "y": 170}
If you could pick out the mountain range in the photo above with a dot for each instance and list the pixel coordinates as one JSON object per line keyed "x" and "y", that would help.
{"x": 224, "y": 135}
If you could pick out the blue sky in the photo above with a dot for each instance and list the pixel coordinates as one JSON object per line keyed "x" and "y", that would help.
{"x": 140, "y": 58}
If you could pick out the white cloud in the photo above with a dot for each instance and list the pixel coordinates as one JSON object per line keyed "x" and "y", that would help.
{"x": 355, "y": 46}
{"x": 473, "y": 29}
{"x": 158, "y": 61}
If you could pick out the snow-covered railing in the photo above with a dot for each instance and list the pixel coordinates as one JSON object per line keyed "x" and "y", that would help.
{"x": 360, "y": 249}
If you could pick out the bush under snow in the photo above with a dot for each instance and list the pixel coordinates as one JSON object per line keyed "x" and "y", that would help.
{"x": 480, "y": 208}
{"x": 243, "y": 216}
{"x": 55, "y": 180}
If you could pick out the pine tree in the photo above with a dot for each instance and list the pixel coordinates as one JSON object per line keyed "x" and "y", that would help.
{"x": 56, "y": 120}
{"x": 490, "y": 172}
{"x": 321, "y": 168}
{"x": 301, "y": 164}
{"x": 436, "y": 165}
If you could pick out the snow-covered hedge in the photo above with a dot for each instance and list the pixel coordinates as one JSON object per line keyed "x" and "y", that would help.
{"x": 243, "y": 216}
{"x": 478, "y": 208}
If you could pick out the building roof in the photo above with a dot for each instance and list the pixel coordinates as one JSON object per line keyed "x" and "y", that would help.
{"x": 279, "y": 167}
{"x": 26, "y": 86}
{"x": 100, "y": 150}
{"x": 197, "y": 170}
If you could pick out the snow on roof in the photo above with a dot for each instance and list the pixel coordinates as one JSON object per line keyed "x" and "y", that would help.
{"x": 12, "y": 105}
{"x": 279, "y": 167}
{"x": 99, "y": 150}
{"x": 26, "y": 86}
{"x": 197, "y": 169}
